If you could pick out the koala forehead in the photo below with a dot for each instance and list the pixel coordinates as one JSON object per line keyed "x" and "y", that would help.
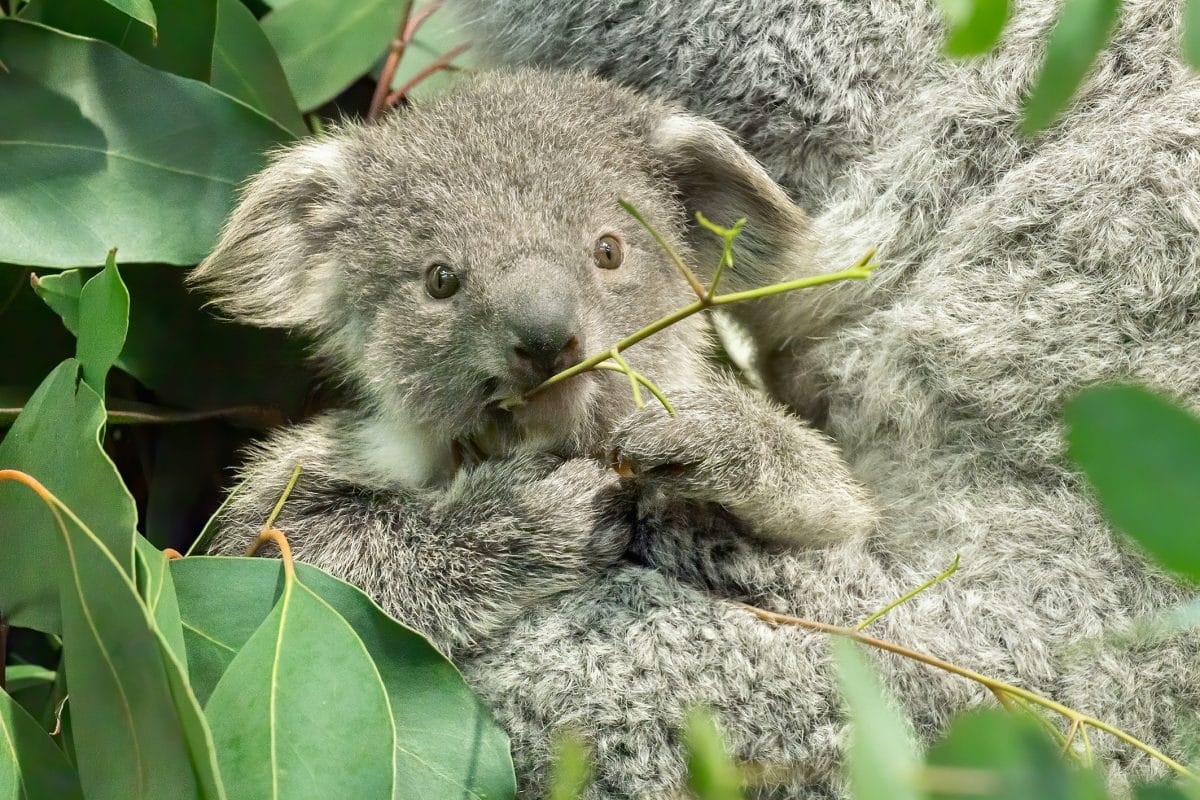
{"x": 512, "y": 153}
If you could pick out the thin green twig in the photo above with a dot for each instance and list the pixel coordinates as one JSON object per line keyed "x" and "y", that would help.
{"x": 644, "y": 381}
{"x": 684, "y": 269}
{"x": 287, "y": 490}
{"x": 633, "y": 381}
{"x": 953, "y": 568}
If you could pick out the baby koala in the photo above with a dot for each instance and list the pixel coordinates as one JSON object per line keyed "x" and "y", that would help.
{"x": 455, "y": 255}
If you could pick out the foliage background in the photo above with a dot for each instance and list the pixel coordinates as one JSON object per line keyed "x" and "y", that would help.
{"x": 130, "y": 124}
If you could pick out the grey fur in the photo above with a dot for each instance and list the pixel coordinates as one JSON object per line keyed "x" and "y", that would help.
{"x": 532, "y": 553}
{"x": 1016, "y": 271}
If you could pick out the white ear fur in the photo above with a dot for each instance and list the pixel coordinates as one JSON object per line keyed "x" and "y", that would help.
{"x": 268, "y": 268}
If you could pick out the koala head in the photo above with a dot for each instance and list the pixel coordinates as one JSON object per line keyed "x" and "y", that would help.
{"x": 453, "y": 255}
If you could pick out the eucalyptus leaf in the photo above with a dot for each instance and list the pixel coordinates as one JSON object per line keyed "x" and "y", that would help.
{"x": 1141, "y": 455}
{"x": 138, "y": 732}
{"x": 447, "y": 743}
{"x": 157, "y": 590}
{"x": 102, "y": 151}
{"x": 995, "y": 755}
{"x": 103, "y": 322}
{"x": 301, "y": 711}
{"x": 712, "y": 774}
{"x": 882, "y": 761}
{"x": 1081, "y": 31}
{"x": 245, "y": 66}
{"x": 56, "y": 439}
{"x": 571, "y": 774}
{"x": 325, "y": 45}
{"x": 141, "y": 10}
{"x": 182, "y": 43}
{"x": 1191, "y": 32}
{"x": 32, "y": 767}
{"x": 974, "y": 25}
{"x": 22, "y": 676}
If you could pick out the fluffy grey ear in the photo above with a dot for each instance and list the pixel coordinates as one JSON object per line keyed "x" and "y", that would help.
{"x": 714, "y": 175}
{"x": 270, "y": 267}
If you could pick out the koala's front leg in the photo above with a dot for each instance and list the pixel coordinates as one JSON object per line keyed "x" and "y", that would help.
{"x": 459, "y": 563}
{"x": 730, "y": 446}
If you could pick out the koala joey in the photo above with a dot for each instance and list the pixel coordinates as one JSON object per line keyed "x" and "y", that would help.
{"x": 454, "y": 255}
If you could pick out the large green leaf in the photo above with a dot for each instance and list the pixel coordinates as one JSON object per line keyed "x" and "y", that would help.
{"x": 102, "y": 151}
{"x": 103, "y": 322}
{"x": 138, "y": 732}
{"x": 1141, "y": 456}
{"x": 1082, "y": 29}
{"x": 245, "y": 65}
{"x": 141, "y": 10}
{"x": 974, "y": 25}
{"x": 447, "y": 744}
{"x": 324, "y": 45}
{"x": 182, "y": 44}
{"x": 996, "y": 755}
{"x": 157, "y": 590}
{"x": 712, "y": 774}
{"x": 56, "y": 439}
{"x": 882, "y": 761}
{"x": 32, "y": 767}
{"x": 1191, "y": 32}
{"x": 301, "y": 711}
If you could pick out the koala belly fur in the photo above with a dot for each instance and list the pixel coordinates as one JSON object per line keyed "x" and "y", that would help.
{"x": 1014, "y": 271}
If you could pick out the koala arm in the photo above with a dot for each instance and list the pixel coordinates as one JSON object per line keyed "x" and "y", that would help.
{"x": 458, "y": 563}
{"x": 733, "y": 451}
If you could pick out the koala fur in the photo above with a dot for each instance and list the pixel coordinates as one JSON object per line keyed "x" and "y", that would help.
{"x": 536, "y": 569}
{"x": 1015, "y": 271}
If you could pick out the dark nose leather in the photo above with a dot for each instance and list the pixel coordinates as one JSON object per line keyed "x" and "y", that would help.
{"x": 540, "y": 354}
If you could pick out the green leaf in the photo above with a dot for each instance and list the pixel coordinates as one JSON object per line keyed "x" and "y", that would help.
{"x": 325, "y": 45}
{"x": 157, "y": 590}
{"x": 571, "y": 771}
{"x": 301, "y": 711}
{"x": 1082, "y": 30}
{"x": 138, "y": 731}
{"x": 101, "y": 151}
{"x": 182, "y": 43}
{"x": 1191, "y": 32}
{"x": 712, "y": 775}
{"x": 974, "y": 25}
{"x": 245, "y": 66}
{"x": 141, "y": 10}
{"x": 61, "y": 292}
{"x": 187, "y": 356}
{"x": 1141, "y": 455}
{"x": 447, "y": 743}
{"x": 32, "y": 767}
{"x": 22, "y": 676}
{"x": 995, "y": 755}
{"x": 882, "y": 761}
{"x": 103, "y": 323}
{"x": 1159, "y": 791}
{"x": 56, "y": 439}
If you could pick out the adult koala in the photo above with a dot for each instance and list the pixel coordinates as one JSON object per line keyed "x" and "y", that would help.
{"x": 1015, "y": 271}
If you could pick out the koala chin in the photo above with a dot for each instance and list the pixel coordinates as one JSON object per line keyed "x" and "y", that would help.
{"x": 457, "y": 254}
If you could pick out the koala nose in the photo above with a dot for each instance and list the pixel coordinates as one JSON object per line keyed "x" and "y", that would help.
{"x": 536, "y": 357}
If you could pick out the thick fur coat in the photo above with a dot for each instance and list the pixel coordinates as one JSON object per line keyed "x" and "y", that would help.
{"x": 1015, "y": 272}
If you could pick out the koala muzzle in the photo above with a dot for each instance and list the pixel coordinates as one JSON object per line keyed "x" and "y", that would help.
{"x": 543, "y": 337}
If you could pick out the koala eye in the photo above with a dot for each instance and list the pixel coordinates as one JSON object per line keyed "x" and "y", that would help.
{"x": 608, "y": 252}
{"x": 440, "y": 281}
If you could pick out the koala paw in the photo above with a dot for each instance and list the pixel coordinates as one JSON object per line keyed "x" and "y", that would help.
{"x": 706, "y": 451}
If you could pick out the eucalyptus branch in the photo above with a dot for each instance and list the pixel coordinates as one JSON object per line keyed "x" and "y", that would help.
{"x": 1079, "y": 721}
{"x": 705, "y": 299}
{"x": 953, "y": 568}
{"x": 399, "y": 43}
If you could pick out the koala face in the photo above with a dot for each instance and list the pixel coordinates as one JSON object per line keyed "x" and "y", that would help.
{"x": 455, "y": 255}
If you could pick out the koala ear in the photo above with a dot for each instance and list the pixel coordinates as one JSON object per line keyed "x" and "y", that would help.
{"x": 712, "y": 174}
{"x": 270, "y": 267}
